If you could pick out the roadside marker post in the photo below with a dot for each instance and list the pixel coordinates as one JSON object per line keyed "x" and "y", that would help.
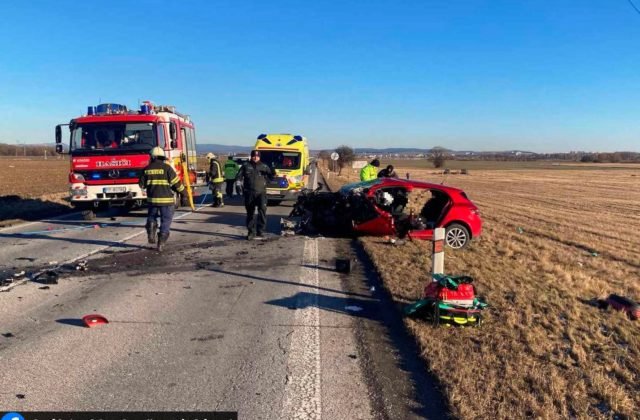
{"x": 438, "y": 252}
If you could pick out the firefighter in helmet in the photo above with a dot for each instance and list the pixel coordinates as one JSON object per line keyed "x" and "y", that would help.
{"x": 160, "y": 181}
{"x": 216, "y": 179}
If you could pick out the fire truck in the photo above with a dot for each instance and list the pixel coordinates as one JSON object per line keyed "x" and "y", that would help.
{"x": 109, "y": 147}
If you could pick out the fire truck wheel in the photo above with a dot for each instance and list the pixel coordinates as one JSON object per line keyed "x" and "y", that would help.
{"x": 88, "y": 214}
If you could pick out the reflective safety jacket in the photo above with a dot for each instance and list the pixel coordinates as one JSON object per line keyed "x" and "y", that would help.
{"x": 159, "y": 179}
{"x": 231, "y": 169}
{"x": 368, "y": 173}
{"x": 215, "y": 172}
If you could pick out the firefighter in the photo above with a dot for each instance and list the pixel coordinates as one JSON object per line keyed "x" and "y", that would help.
{"x": 231, "y": 169}
{"x": 370, "y": 171}
{"x": 216, "y": 180}
{"x": 254, "y": 175}
{"x": 159, "y": 179}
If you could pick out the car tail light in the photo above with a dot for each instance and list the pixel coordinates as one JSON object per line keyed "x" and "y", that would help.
{"x": 75, "y": 177}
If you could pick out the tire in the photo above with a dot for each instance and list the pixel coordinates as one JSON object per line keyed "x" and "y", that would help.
{"x": 274, "y": 202}
{"x": 177, "y": 200}
{"x": 88, "y": 214}
{"x": 457, "y": 236}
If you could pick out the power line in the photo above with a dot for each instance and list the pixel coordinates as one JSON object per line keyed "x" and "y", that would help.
{"x": 634, "y": 6}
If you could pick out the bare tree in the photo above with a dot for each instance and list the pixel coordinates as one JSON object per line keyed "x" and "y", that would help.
{"x": 438, "y": 156}
{"x": 347, "y": 155}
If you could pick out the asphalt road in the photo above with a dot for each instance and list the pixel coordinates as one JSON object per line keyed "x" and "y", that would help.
{"x": 266, "y": 328}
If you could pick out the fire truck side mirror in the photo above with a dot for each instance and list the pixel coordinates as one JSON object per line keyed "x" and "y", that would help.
{"x": 173, "y": 134}
{"x": 173, "y": 131}
{"x": 58, "y": 135}
{"x": 59, "y": 149}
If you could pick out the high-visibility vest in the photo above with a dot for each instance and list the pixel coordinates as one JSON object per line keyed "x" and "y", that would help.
{"x": 215, "y": 172}
{"x": 231, "y": 169}
{"x": 368, "y": 173}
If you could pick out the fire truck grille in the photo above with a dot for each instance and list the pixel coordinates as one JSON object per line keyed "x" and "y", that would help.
{"x": 112, "y": 174}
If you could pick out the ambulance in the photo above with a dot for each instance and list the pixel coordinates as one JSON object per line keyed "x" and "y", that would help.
{"x": 288, "y": 156}
{"x": 109, "y": 147}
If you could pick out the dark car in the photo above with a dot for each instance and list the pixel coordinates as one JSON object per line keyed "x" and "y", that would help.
{"x": 391, "y": 206}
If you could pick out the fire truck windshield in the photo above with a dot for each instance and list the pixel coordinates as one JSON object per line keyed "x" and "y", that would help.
{"x": 113, "y": 137}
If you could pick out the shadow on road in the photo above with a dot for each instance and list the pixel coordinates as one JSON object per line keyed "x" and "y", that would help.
{"x": 338, "y": 304}
{"x": 13, "y": 207}
{"x": 74, "y": 322}
{"x": 277, "y": 281}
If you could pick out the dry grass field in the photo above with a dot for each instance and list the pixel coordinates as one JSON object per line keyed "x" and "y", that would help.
{"x": 553, "y": 241}
{"x": 31, "y": 188}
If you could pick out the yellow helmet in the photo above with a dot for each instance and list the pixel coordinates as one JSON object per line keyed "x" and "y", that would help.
{"x": 157, "y": 152}
{"x": 210, "y": 156}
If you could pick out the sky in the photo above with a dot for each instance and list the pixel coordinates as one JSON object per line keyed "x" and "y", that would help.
{"x": 543, "y": 76}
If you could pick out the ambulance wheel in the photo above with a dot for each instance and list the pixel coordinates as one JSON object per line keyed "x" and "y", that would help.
{"x": 88, "y": 214}
{"x": 274, "y": 202}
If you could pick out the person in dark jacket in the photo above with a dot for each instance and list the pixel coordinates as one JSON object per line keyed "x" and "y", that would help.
{"x": 255, "y": 175}
{"x": 160, "y": 181}
{"x": 387, "y": 172}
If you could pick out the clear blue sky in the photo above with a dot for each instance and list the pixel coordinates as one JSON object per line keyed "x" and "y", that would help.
{"x": 554, "y": 75}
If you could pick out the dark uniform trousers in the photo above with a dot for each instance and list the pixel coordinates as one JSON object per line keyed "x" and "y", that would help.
{"x": 165, "y": 213}
{"x": 229, "y": 187}
{"x": 253, "y": 200}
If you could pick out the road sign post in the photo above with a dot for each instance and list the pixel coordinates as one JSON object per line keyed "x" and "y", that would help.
{"x": 334, "y": 158}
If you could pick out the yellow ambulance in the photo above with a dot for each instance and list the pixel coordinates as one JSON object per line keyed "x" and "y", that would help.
{"x": 288, "y": 156}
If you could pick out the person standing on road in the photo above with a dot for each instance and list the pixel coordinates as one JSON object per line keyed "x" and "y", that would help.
{"x": 160, "y": 181}
{"x": 254, "y": 175}
{"x": 388, "y": 172}
{"x": 215, "y": 180}
{"x": 370, "y": 171}
{"x": 231, "y": 169}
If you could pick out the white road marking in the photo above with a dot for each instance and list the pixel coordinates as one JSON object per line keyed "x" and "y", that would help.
{"x": 302, "y": 394}
{"x": 86, "y": 255}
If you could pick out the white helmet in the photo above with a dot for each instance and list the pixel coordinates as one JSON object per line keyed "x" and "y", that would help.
{"x": 157, "y": 152}
{"x": 210, "y": 156}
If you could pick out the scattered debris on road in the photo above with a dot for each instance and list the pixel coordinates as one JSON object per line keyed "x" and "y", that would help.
{"x": 47, "y": 277}
{"x": 8, "y": 335}
{"x": 94, "y": 320}
{"x": 344, "y": 265}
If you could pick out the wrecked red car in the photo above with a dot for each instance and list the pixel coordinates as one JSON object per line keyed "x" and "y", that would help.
{"x": 388, "y": 206}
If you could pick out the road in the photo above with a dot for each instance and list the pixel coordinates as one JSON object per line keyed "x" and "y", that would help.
{"x": 266, "y": 328}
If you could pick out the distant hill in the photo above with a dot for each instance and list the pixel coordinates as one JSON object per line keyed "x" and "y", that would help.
{"x": 221, "y": 149}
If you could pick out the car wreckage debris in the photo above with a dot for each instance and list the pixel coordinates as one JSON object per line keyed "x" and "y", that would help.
{"x": 344, "y": 265}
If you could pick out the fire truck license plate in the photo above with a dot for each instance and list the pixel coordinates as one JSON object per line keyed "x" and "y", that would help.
{"x": 108, "y": 190}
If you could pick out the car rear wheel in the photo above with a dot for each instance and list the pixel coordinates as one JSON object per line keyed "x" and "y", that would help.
{"x": 457, "y": 236}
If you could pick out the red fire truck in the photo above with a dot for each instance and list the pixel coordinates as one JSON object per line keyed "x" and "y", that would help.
{"x": 109, "y": 147}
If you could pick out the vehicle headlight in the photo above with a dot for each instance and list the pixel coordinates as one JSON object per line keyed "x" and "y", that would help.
{"x": 295, "y": 179}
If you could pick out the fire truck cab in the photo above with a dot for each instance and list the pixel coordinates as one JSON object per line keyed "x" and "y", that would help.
{"x": 109, "y": 147}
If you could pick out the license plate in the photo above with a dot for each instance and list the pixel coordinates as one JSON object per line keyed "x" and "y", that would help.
{"x": 108, "y": 190}
{"x": 272, "y": 192}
